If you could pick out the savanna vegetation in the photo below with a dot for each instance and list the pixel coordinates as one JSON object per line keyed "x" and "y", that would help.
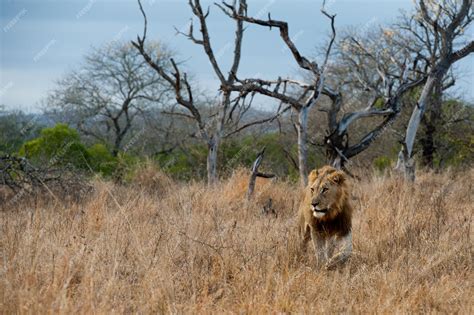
{"x": 165, "y": 246}
{"x": 128, "y": 193}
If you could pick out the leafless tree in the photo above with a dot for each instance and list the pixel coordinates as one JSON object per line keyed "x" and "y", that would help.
{"x": 443, "y": 24}
{"x": 226, "y": 120}
{"x": 114, "y": 86}
{"x": 301, "y": 96}
{"x": 373, "y": 65}
{"x": 425, "y": 45}
{"x": 368, "y": 68}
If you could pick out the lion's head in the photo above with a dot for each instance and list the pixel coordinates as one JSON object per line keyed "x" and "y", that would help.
{"x": 328, "y": 192}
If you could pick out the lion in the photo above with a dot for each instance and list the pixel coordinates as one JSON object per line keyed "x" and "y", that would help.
{"x": 325, "y": 216}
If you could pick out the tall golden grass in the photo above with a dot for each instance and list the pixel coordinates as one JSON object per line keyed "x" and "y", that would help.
{"x": 159, "y": 246}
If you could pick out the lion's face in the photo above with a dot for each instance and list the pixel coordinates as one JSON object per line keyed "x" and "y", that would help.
{"x": 327, "y": 192}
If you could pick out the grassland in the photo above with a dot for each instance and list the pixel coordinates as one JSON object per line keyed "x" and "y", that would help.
{"x": 159, "y": 246}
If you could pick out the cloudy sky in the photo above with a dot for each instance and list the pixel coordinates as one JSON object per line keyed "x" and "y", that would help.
{"x": 43, "y": 39}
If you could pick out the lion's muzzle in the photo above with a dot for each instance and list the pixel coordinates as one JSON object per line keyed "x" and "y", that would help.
{"x": 318, "y": 212}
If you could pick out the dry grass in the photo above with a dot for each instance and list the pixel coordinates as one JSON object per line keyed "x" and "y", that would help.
{"x": 189, "y": 249}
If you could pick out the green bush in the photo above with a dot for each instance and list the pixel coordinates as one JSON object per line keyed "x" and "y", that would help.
{"x": 184, "y": 165}
{"x": 101, "y": 160}
{"x": 57, "y": 146}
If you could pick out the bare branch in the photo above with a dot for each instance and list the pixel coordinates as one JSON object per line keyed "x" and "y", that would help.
{"x": 257, "y": 122}
{"x": 177, "y": 114}
{"x": 190, "y": 34}
{"x": 206, "y": 41}
{"x": 463, "y": 52}
{"x": 302, "y": 61}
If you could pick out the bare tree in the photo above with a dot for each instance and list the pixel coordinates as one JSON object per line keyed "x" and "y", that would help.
{"x": 445, "y": 23}
{"x": 229, "y": 108}
{"x": 384, "y": 82}
{"x": 301, "y": 96}
{"x": 114, "y": 86}
{"x": 367, "y": 68}
{"x": 425, "y": 45}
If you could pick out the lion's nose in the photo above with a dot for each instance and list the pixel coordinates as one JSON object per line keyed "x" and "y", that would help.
{"x": 315, "y": 203}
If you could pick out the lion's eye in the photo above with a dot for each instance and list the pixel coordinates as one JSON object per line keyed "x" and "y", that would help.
{"x": 324, "y": 189}
{"x": 312, "y": 189}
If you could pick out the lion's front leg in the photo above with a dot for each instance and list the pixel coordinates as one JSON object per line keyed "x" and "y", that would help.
{"x": 305, "y": 235}
{"x": 343, "y": 253}
{"x": 319, "y": 247}
{"x": 331, "y": 245}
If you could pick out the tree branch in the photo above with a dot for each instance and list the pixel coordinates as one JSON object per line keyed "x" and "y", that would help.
{"x": 257, "y": 122}
{"x": 302, "y": 61}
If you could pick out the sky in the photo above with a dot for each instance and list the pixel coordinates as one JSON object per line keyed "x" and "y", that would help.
{"x": 42, "y": 40}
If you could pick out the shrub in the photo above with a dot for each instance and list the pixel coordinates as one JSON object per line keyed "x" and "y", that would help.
{"x": 184, "y": 165}
{"x": 57, "y": 146}
{"x": 101, "y": 160}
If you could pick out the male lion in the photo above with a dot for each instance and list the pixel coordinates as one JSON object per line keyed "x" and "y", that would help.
{"x": 325, "y": 216}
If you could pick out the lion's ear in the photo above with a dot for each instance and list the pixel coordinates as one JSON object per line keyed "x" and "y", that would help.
{"x": 339, "y": 177}
{"x": 312, "y": 176}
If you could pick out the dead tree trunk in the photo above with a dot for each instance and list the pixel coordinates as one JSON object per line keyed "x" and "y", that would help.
{"x": 406, "y": 161}
{"x": 256, "y": 173}
{"x": 335, "y": 145}
{"x": 212, "y": 148}
{"x": 302, "y": 128}
{"x": 431, "y": 122}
